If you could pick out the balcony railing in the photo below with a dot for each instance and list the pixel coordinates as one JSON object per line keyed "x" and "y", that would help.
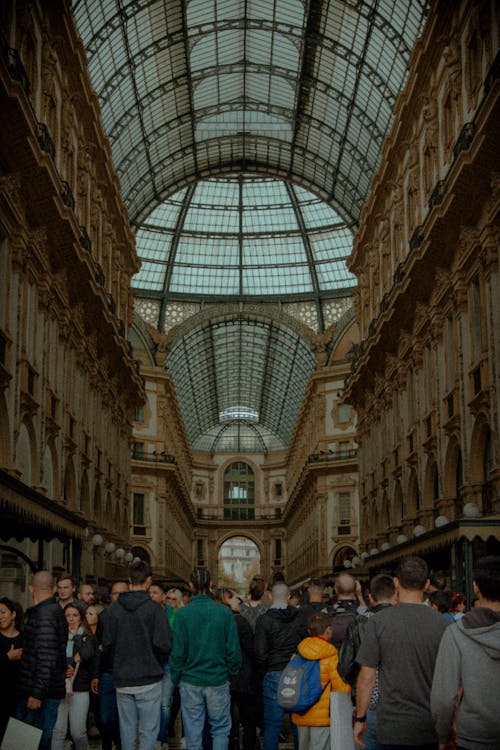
{"x": 154, "y": 457}
{"x": 234, "y": 514}
{"x": 328, "y": 456}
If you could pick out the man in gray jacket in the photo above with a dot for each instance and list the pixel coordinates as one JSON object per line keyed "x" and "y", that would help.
{"x": 468, "y": 664}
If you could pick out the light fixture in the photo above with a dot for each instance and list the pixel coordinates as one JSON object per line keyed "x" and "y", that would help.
{"x": 364, "y": 555}
{"x": 129, "y": 557}
{"x": 97, "y": 540}
{"x": 120, "y": 553}
{"x": 356, "y": 560}
{"x": 374, "y": 551}
{"x": 441, "y": 521}
{"x": 136, "y": 560}
{"x": 471, "y": 510}
{"x": 385, "y": 546}
{"x": 110, "y": 547}
{"x": 347, "y": 563}
{"x": 402, "y": 538}
{"x": 419, "y": 530}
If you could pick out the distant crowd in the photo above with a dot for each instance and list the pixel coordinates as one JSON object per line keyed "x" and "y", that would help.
{"x": 414, "y": 666}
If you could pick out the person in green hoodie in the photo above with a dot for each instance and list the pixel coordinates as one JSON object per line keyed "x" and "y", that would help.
{"x": 468, "y": 669}
{"x": 205, "y": 655}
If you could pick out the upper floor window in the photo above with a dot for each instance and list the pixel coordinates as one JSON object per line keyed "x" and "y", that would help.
{"x": 239, "y": 492}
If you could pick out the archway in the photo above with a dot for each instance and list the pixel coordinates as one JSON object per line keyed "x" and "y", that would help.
{"x": 238, "y": 561}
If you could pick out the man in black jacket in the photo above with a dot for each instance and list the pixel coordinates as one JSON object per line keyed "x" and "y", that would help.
{"x": 277, "y": 635}
{"x": 43, "y": 664}
{"x": 137, "y": 633}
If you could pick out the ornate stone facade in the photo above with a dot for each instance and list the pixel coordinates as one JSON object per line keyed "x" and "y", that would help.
{"x": 68, "y": 384}
{"x": 424, "y": 383}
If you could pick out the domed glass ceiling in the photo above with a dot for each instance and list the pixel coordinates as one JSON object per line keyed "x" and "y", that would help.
{"x": 295, "y": 91}
{"x": 246, "y": 237}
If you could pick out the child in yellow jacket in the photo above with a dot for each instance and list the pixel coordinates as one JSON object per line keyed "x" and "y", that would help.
{"x": 314, "y": 724}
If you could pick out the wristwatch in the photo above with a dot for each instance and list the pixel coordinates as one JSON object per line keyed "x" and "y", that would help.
{"x": 361, "y": 719}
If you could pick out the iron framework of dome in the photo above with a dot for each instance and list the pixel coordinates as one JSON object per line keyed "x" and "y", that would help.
{"x": 194, "y": 92}
{"x": 246, "y": 237}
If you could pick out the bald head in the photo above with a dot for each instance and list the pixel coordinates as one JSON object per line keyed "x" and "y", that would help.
{"x": 42, "y": 586}
{"x": 280, "y": 593}
{"x": 345, "y": 585}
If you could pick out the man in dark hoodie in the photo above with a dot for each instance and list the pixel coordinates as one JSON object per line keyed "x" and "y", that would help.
{"x": 138, "y": 635}
{"x": 468, "y": 665}
{"x": 277, "y": 635}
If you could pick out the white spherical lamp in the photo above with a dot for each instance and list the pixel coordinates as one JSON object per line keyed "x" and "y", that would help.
{"x": 347, "y": 564}
{"x": 419, "y": 530}
{"x": 120, "y": 553}
{"x": 356, "y": 560}
{"x": 385, "y": 546}
{"x": 97, "y": 540}
{"x": 441, "y": 521}
{"x": 402, "y": 538}
{"x": 110, "y": 547}
{"x": 374, "y": 551}
{"x": 364, "y": 555}
{"x": 471, "y": 510}
{"x": 129, "y": 557}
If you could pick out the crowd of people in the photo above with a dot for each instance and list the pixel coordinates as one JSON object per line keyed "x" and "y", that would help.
{"x": 422, "y": 672}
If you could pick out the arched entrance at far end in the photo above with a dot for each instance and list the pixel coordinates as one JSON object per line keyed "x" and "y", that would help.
{"x": 238, "y": 562}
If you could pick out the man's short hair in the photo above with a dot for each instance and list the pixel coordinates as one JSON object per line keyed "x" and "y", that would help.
{"x": 139, "y": 571}
{"x": 159, "y": 585}
{"x": 200, "y": 579}
{"x": 65, "y": 576}
{"x": 345, "y": 584}
{"x": 318, "y": 623}
{"x": 382, "y": 587}
{"x": 441, "y": 600}
{"x": 437, "y": 579}
{"x": 487, "y": 577}
{"x": 280, "y": 592}
{"x": 316, "y": 585}
{"x": 412, "y": 573}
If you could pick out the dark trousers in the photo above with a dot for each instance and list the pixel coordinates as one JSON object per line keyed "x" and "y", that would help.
{"x": 43, "y": 718}
{"x": 109, "y": 726}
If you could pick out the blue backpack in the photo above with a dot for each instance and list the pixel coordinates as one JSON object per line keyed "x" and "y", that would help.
{"x": 300, "y": 684}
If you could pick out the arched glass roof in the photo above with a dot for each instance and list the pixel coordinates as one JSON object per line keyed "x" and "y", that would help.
{"x": 216, "y": 112}
{"x": 244, "y": 237}
{"x": 296, "y": 88}
{"x": 243, "y": 369}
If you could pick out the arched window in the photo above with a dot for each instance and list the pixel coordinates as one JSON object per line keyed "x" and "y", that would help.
{"x": 239, "y": 492}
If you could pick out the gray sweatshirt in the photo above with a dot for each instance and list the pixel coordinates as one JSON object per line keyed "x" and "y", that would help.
{"x": 469, "y": 658}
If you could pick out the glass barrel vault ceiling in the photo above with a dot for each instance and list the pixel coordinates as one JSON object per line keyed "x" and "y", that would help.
{"x": 243, "y": 237}
{"x": 302, "y": 89}
{"x": 300, "y": 92}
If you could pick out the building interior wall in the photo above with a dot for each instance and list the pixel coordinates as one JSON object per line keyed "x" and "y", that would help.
{"x": 89, "y": 419}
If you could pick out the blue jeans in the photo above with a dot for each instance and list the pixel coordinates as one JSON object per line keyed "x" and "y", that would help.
{"x": 167, "y": 694}
{"x": 43, "y": 718}
{"x": 108, "y": 708}
{"x": 273, "y": 713}
{"x": 139, "y": 712}
{"x": 370, "y": 735}
{"x": 198, "y": 702}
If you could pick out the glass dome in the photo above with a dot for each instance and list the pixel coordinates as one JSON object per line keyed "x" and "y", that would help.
{"x": 245, "y": 237}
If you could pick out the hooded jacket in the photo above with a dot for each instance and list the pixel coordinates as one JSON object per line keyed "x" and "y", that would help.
{"x": 277, "y": 635}
{"x": 469, "y": 657}
{"x": 138, "y": 635}
{"x": 319, "y": 714}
